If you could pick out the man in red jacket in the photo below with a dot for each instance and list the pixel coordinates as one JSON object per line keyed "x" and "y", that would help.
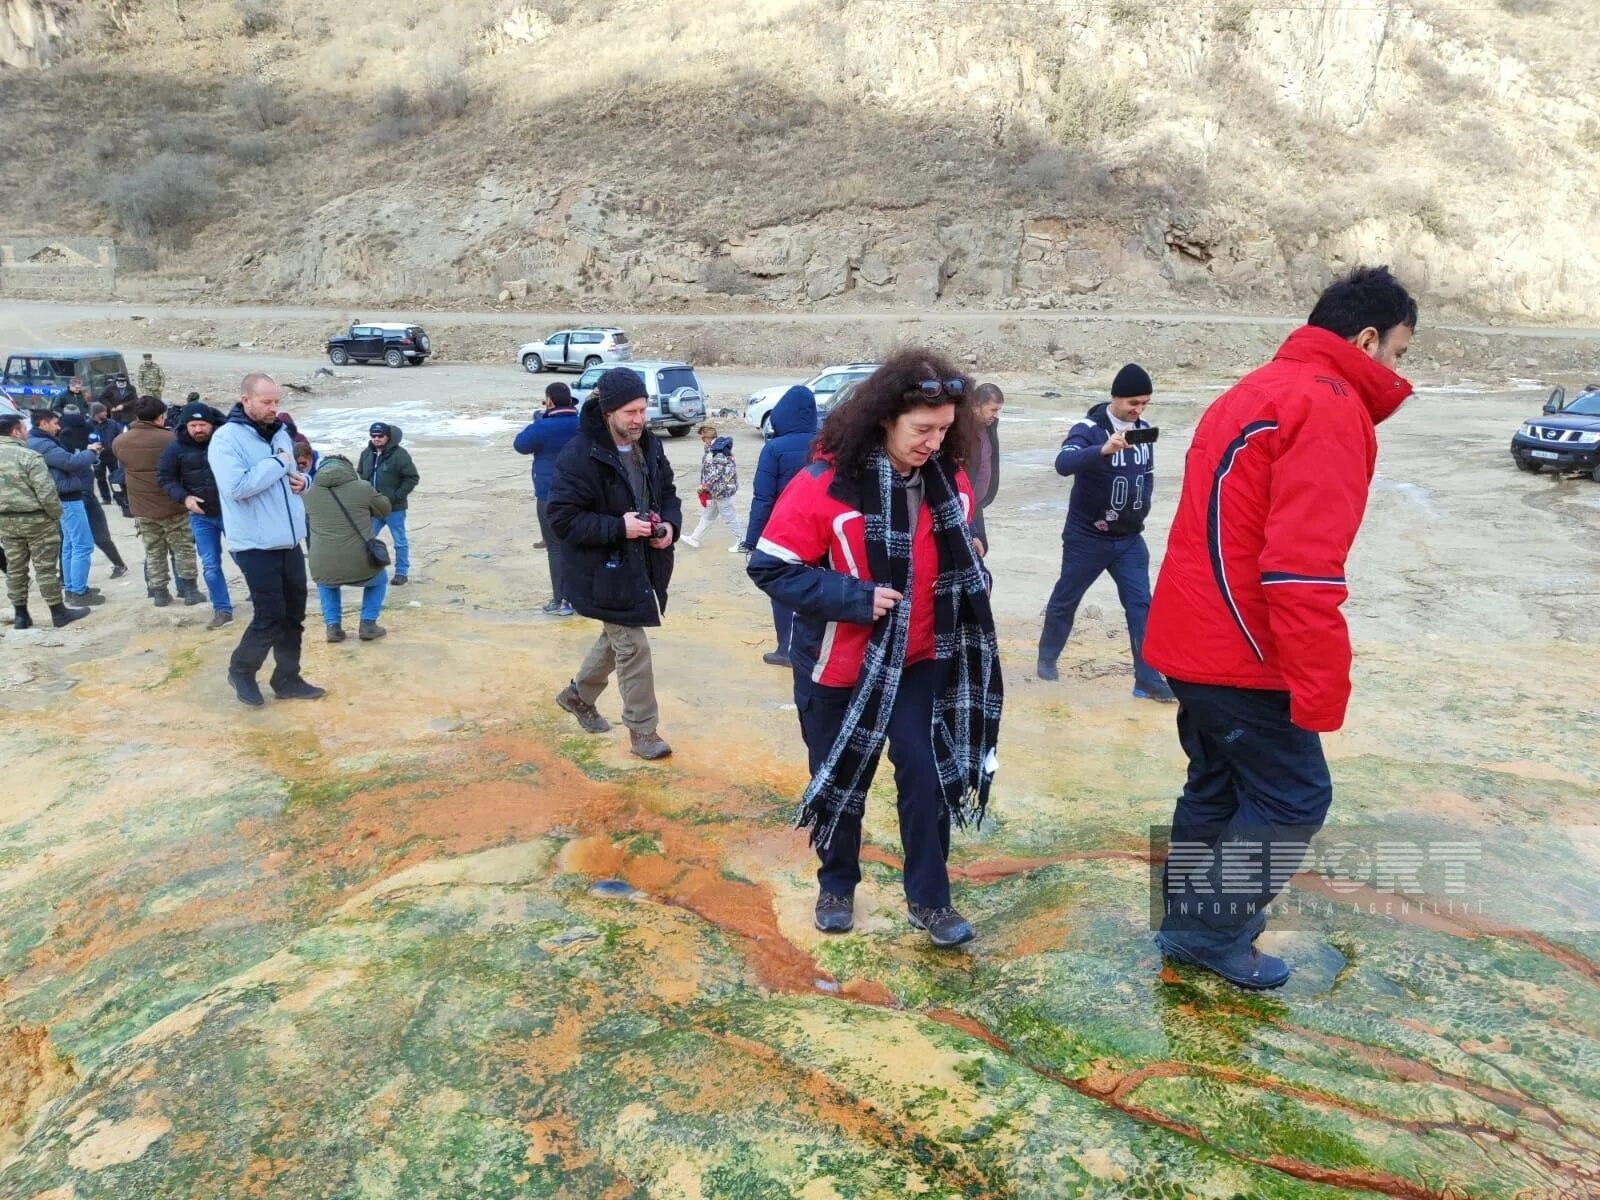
{"x": 1245, "y": 620}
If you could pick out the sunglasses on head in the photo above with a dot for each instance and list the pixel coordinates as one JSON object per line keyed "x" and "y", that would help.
{"x": 932, "y": 389}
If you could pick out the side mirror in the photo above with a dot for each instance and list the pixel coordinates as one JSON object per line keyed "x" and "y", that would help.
{"x": 1557, "y": 401}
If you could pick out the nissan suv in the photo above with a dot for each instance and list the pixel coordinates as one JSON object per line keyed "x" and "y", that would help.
{"x": 575, "y": 350}
{"x": 389, "y": 342}
{"x": 674, "y": 397}
{"x": 1567, "y": 437}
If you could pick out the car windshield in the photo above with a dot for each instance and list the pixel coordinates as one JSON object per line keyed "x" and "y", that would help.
{"x": 1584, "y": 406}
{"x": 673, "y": 378}
{"x": 591, "y": 377}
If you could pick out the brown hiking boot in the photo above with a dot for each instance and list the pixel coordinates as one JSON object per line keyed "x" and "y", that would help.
{"x": 219, "y": 618}
{"x": 371, "y": 631}
{"x": 648, "y": 745}
{"x": 588, "y": 715}
{"x": 336, "y": 633}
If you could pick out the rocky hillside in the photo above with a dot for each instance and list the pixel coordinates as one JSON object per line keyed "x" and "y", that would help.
{"x": 883, "y": 153}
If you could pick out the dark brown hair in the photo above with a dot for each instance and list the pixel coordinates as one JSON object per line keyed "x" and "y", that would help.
{"x": 854, "y": 429}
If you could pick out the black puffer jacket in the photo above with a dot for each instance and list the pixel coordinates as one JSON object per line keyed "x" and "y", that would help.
{"x": 609, "y": 576}
{"x": 183, "y": 470}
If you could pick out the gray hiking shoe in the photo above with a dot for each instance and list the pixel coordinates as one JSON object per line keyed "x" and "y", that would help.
{"x": 944, "y": 926}
{"x": 588, "y": 715}
{"x": 647, "y": 745}
{"x": 834, "y": 913}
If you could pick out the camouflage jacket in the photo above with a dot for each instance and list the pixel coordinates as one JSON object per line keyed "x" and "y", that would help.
{"x": 25, "y": 483}
{"x": 152, "y": 379}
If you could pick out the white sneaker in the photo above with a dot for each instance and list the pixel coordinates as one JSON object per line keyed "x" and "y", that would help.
{"x": 736, "y": 548}
{"x": 690, "y": 541}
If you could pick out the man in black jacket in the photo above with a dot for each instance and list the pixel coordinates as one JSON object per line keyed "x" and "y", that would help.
{"x": 184, "y": 473}
{"x": 616, "y": 512}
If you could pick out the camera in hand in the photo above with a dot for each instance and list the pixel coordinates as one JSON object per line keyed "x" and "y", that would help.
{"x": 1141, "y": 437}
{"x": 658, "y": 528}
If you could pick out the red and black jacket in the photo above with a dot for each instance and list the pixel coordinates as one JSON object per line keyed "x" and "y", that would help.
{"x": 1274, "y": 488}
{"x": 811, "y": 558}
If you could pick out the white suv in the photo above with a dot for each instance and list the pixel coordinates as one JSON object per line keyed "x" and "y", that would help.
{"x": 575, "y": 349}
{"x": 675, "y": 398}
{"x": 758, "y": 406}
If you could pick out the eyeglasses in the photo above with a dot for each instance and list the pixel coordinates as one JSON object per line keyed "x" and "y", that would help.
{"x": 932, "y": 389}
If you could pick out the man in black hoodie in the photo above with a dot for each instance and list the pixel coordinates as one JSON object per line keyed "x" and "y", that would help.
{"x": 615, "y": 510}
{"x": 184, "y": 473}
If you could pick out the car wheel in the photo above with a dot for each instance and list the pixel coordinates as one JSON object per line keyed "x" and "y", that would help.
{"x": 394, "y": 358}
{"x": 679, "y": 430}
{"x": 1527, "y": 464}
{"x": 338, "y": 356}
{"x": 1597, "y": 474}
{"x": 766, "y": 426}
{"x": 532, "y": 364}
{"x": 592, "y": 361}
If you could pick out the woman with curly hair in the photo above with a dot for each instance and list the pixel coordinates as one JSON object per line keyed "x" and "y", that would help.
{"x": 893, "y": 640}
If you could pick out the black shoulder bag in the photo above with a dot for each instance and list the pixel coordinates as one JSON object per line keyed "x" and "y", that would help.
{"x": 377, "y": 552}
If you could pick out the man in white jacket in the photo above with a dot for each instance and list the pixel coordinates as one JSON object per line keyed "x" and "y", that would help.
{"x": 252, "y": 458}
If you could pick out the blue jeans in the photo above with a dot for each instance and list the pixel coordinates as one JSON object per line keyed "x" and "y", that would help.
{"x": 372, "y": 594}
{"x": 208, "y": 545}
{"x": 1084, "y": 557}
{"x": 77, "y": 546}
{"x": 1255, "y": 778}
{"x": 396, "y": 521}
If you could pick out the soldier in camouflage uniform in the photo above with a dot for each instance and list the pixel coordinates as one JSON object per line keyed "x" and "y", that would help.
{"x": 162, "y": 522}
{"x": 30, "y": 526}
{"x": 151, "y": 377}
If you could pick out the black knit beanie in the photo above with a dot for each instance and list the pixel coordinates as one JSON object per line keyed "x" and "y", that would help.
{"x": 1132, "y": 380}
{"x": 617, "y": 387}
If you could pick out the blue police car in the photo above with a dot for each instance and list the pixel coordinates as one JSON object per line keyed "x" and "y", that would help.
{"x": 1566, "y": 437}
{"x": 35, "y": 378}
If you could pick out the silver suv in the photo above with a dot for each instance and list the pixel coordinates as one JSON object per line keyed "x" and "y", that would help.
{"x": 674, "y": 397}
{"x": 575, "y": 350}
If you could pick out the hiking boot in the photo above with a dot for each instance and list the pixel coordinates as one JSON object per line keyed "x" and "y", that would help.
{"x": 87, "y": 599}
{"x": 20, "y": 619}
{"x": 647, "y": 745}
{"x": 1242, "y": 966}
{"x": 94, "y": 593}
{"x": 588, "y": 715}
{"x": 118, "y": 571}
{"x": 219, "y": 618}
{"x": 245, "y": 687}
{"x": 834, "y": 913}
{"x": 160, "y": 596}
{"x": 399, "y": 581}
{"x": 1046, "y": 671}
{"x": 298, "y": 689}
{"x": 336, "y": 633}
{"x": 776, "y": 658}
{"x": 1158, "y": 692}
{"x": 944, "y": 926}
{"x": 553, "y": 607}
{"x": 539, "y": 546}
{"x": 191, "y": 594}
{"x": 61, "y": 615}
{"x": 371, "y": 631}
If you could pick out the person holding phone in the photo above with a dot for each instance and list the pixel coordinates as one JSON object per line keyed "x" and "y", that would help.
{"x": 1110, "y": 454}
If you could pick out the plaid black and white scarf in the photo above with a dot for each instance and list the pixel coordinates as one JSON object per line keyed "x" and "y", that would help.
{"x": 966, "y": 712}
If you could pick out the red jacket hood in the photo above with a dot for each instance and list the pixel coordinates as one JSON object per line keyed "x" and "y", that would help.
{"x": 1381, "y": 390}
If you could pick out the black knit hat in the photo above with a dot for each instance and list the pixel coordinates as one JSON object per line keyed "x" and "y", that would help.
{"x": 617, "y": 387}
{"x": 1132, "y": 380}
{"x": 197, "y": 412}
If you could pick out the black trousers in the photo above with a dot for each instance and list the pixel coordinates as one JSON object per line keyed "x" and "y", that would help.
{"x": 100, "y": 529}
{"x": 924, "y": 820}
{"x": 1256, "y": 780}
{"x": 552, "y": 548}
{"x": 102, "y": 478}
{"x": 277, "y": 583}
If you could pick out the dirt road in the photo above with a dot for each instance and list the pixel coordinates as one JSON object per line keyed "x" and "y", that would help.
{"x": 357, "y": 948}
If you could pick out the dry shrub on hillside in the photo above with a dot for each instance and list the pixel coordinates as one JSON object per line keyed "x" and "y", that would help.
{"x": 1442, "y": 84}
{"x": 182, "y": 135}
{"x": 258, "y": 16}
{"x": 1064, "y": 172}
{"x": 165, "y": 197}
{"x": 259, "y": 104}
{"x": 1526, "y": 8}
{"x": 1087, "y": 110}
{"x": 250, "y": 149}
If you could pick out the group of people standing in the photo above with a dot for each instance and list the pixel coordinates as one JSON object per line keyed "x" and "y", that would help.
{"x": 868, "y": 537}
